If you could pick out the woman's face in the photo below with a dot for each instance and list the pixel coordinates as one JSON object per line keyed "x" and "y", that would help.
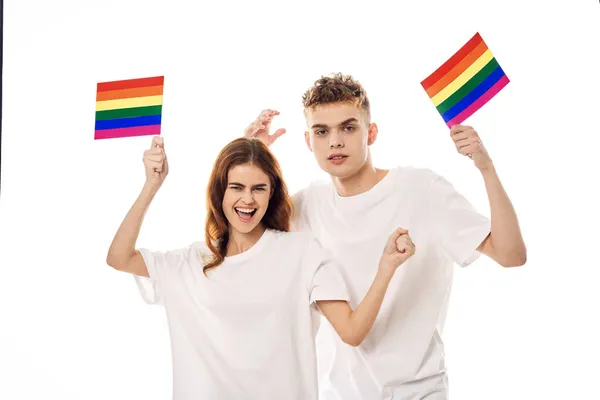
{"x": 246, "y": 197}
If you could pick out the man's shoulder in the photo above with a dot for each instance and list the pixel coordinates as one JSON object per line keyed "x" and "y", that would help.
{"x": 419, "y": 179}
{"x": 417, "y": 173}
{"x": 312, "y": 194}
{"x": 315, "y": 187}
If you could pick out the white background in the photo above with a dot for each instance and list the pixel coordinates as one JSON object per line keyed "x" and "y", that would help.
{"x": 73, "y": 328}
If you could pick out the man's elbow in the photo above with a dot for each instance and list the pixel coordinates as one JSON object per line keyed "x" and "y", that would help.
{"x": 516, "y": 259}
{"x": 352, "y": 339}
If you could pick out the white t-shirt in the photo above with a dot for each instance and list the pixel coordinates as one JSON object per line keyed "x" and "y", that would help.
{"x": 248, "y": 330}
{"x": 403, "y": 354}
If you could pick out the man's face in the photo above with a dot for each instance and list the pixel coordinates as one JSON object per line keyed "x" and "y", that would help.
{"x": 339, "y": 135}
{"x": 246, "y": 198}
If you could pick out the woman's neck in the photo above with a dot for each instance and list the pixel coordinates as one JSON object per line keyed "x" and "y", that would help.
{"x": 240, "y": 242}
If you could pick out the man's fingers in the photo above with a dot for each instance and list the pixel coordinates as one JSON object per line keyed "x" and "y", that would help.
{"x": 278, "y": 133}
{"x": 470, "y": 149}
{"x": 268, "y": 113}
{"x": 466, "y": 142}
{"x": 460, "y": 136}
{"x": 459, "y": 128}
{"x": 253, "y": 129}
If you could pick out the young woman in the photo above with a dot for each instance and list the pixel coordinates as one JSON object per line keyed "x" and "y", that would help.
{"x": 241, "y": 305}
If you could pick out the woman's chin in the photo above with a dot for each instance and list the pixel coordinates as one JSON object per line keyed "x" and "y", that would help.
{"x": 244, "y": 226}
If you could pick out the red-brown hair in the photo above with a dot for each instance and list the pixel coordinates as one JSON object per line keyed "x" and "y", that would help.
{"x": 238, "y": 152}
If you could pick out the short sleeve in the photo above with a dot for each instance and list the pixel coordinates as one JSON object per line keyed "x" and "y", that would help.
{"x": 149, "y": 290}
{"x": 458, "y": 227}
{"x": 162, "y": 268}
{"x": 325, "y": 279}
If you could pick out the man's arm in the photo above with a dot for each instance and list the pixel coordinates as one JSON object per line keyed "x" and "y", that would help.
{"x": 505, "y": 243}
{"x": 260, "y": 127}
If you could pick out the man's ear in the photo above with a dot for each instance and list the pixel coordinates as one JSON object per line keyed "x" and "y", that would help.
{"x": 307, "y": 140}
{"x": 373, "y": 131}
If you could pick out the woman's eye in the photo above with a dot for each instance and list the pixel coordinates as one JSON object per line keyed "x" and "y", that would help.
{"x": 260, "y": 189}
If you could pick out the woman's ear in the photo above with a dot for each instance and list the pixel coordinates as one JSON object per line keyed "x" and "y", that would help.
{"x": 272, "y": 193}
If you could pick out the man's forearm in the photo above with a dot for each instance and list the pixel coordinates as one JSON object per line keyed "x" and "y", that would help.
{"x": 506, "y": 238}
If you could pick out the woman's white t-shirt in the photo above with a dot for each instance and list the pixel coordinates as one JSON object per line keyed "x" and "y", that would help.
{"x": 247, "y": 331}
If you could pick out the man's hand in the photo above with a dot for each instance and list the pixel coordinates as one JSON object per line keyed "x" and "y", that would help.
{"x": 469, "y": 144}
{"x": 259, "y": 128}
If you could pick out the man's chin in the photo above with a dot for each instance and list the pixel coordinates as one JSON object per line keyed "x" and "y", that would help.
{"x": 339, "y": 171}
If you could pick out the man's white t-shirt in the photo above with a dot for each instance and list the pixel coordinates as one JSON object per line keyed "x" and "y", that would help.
{"x": 403, "y": 355}
{"x": 247, "y": 331}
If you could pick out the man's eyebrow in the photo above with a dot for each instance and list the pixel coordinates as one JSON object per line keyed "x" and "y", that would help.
{"x": 349, "y": 120}
{"x": 346, "y": 122}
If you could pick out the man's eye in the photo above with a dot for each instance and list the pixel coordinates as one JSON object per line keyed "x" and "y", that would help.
{"x": 350, "y": 128}
{"x": 320, "y": 132}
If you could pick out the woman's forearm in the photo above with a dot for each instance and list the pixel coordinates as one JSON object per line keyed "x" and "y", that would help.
{"x": 354, "y": 326}
{"x": 123, "y": 244}
{"x": 363, "y": 318}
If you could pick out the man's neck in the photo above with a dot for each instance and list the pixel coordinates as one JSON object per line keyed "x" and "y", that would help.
{"x": 241, "y": 242}
{"x": 362, "y": 181}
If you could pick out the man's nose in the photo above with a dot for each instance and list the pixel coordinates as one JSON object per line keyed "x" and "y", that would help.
{"x": 335, "y": 140}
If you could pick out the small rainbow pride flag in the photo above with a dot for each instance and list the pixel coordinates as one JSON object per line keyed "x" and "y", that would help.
{"x": 466, "y": 82}
{"x": 129, "y": 108}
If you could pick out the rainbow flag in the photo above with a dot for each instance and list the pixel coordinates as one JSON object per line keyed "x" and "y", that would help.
{"x": 466, "y": 82}
{"x": 129, "y": 108}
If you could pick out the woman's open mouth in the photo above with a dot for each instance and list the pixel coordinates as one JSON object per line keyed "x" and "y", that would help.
{"x": 245, "y": 214}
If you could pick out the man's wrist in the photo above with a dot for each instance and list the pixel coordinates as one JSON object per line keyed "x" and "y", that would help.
{"x": 488, "y": 170}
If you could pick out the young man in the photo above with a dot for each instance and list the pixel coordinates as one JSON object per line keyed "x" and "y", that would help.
{"x": 403, "y": 356}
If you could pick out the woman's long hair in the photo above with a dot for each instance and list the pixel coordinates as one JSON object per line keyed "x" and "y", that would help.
{"x": 279, "y": 212}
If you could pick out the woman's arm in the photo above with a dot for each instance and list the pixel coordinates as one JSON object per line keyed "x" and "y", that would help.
{"x": 122, "y": 254}
{"x": 354, "y": 326}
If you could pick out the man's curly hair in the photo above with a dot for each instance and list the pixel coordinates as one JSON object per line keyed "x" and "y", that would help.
{"x": 336, "y": 88}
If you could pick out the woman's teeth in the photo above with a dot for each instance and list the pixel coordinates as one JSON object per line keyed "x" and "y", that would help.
{"x": 245, "y": 213}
